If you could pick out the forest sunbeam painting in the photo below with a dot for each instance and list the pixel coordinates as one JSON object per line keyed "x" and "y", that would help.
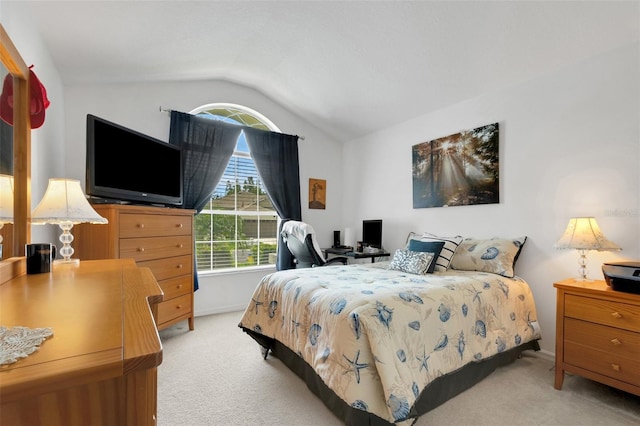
{"x": 457, "y": 170}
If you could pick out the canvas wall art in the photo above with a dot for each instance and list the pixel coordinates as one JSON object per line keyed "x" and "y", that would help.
{"x": 457, "y": 170}
{"x": 317, "y": 193}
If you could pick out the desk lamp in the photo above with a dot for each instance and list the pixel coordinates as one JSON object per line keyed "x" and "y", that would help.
{"x": 64, "y": 204}
{"x": 584, "y": 234}
{"x": 6, "y": 203}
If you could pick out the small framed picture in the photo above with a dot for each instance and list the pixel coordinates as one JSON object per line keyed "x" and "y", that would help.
{"x": 317, "y": 193}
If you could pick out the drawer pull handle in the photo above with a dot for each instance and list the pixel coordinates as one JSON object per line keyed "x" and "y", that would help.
{"x": 179, "y": 286}
{"x": 141, "y": 225}
{"x": 617, "y": 315}
{"x": 140, "y": 249}
{"x": 180, "y": 245}
{"x": 179, "y": 307}
{"x": 179, "y": 266}
{"x": 615, "y": 367}
{"x": 616, "y": 342}
{"x": 179, "y": 225}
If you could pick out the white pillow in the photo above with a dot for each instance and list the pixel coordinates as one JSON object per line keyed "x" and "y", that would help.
{"x": 448, "y": 250}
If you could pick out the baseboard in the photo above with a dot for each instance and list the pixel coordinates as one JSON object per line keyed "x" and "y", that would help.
{"x": 220, "y": 310}
{"x": 549, "y": 356}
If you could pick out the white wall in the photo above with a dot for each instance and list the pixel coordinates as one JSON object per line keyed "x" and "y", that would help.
{"x": 137, "y": 106}
{"x": 569, "y": 146}
{"x": 47, "y": 141}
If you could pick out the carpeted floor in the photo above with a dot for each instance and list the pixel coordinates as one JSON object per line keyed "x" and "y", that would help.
{"x": 215, "y": 376}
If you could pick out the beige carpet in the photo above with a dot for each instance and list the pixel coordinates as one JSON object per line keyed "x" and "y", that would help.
{"x": 215, "y": 375}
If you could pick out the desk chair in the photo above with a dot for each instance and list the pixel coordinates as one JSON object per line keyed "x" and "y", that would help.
{"x": 301, "y": 242}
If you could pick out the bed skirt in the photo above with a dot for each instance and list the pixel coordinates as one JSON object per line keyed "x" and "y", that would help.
{"x": 436, "y": 393}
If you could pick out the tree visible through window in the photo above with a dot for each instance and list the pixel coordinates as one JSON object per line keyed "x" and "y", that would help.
{"x": 238, "y": 227}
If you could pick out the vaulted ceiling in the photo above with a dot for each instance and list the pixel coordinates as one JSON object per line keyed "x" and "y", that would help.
{"x": 350, "y": 67}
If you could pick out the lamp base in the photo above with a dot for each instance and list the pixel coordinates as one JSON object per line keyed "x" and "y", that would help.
{"x": 66, "y": 262}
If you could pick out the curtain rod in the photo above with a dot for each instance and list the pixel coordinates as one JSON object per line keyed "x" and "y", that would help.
{"x": 170, "y": 110}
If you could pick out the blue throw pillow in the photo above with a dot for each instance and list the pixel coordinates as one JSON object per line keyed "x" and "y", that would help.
{"x": 434, "y": 247}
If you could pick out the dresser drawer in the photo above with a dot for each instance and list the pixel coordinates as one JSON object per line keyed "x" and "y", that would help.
{"x": 601, "y": 362}
{"x": 153, "y": 225}
{"x": 602, "y": 311}
{"x": 174, "y": 308}
{"x": 170, "y": 267}
{"x": 175, "y": 287}
{"x": 141, "y": 249}
{"x": 618, "y": 342}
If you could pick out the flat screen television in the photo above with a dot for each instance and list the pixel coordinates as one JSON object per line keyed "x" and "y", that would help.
{"x": 372, "y": 233}
{"x": 129, "y": 167}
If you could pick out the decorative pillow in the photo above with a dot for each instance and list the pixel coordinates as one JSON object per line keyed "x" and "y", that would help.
{"x": 448, "y": 249}
{"x": 434, "y": 247}
{"x": 497, "y": 255}
{"x": 412, "y": 262}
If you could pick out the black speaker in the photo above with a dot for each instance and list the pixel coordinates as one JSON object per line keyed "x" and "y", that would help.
{"x": 336, "y": 239}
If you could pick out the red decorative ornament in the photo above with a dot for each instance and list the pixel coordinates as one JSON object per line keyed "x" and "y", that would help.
{"x": 38, "y": 101}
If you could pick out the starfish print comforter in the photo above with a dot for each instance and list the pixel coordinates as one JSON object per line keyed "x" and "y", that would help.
{"x": 378, "y": 337}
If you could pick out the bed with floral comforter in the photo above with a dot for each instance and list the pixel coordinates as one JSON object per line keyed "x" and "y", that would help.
{"x": 372, "y": 342}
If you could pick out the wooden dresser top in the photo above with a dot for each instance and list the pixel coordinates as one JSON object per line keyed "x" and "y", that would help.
{"x": 101, "y": 320}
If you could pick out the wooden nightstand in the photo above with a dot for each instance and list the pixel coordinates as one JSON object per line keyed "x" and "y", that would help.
{"x": 598, "y": 334}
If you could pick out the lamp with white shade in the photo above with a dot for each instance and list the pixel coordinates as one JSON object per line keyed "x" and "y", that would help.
{"x": 64, "y": 204}
{"x": 584, "y": 234}
{"x": 6, "y": 203}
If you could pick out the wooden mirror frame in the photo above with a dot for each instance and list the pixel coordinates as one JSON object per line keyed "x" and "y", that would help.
{"x": 14, "y": 63}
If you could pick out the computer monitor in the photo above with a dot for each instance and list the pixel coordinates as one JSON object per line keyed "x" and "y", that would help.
{"x": 372, "y": 233}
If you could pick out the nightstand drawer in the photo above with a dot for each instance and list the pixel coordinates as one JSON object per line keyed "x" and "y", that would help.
{"x": 153, "y": 225}
{"x": 155, "y": 247}
{"x": 601, "y": 362}
{"x": 175, "y": 287}
{"x": 172, "y": 267}
{"x": 603, "y": 311}
{"x": 174, "y": 308}
{"x": 618, "y": 342}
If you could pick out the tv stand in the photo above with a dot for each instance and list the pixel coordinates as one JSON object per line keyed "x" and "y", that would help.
{"x": 160, "y": 238}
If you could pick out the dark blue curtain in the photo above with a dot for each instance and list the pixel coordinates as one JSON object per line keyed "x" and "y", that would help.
{"x": 276, "y": 159}
{"x": 206, "y": 146}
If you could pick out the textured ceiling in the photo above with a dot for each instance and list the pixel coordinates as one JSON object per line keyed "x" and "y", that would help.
{"x": 349, "y": 67}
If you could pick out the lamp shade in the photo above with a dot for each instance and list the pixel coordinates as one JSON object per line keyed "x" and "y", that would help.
{"x": 6, "y": 199}
{"x": 583, "y": 233}
{"x": 64, "y": 202}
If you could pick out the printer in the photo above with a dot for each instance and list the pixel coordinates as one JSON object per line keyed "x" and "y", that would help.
{"x": 622, "y": 276}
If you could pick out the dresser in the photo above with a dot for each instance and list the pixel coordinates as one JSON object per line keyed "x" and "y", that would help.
{"x": 99, "y": 367}
{"x": 155, "y": 237}
{"x": 598, "y": 334}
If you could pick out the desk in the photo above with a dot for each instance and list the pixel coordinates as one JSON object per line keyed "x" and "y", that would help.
{"x": 100, "y": 365}
{"x": 363, "y": 255}
{"x": 355, "y": 254}
{"x": 338, "y": 251}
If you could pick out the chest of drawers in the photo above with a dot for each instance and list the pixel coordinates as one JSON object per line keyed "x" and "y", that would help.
{"x": 155, "y": 237}
{"x": 598, "y": 334}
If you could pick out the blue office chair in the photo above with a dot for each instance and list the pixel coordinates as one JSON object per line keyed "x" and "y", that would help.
{"x": 300, "y": 239}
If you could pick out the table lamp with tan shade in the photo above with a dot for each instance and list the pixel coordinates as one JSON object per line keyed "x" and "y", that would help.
{"x": 64, "y": 204}
{"x": 584, "y": 234}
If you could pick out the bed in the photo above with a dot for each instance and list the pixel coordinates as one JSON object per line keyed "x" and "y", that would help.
{"x": 383, "y": 343}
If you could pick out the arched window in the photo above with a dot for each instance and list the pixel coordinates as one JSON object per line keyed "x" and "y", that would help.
{"x": 238, "y": 227}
